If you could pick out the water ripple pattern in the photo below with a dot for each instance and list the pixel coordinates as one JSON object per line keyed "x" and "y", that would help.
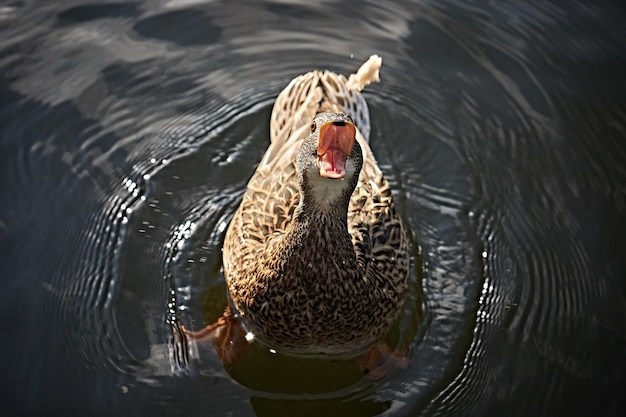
{"x": 128, "y": 132}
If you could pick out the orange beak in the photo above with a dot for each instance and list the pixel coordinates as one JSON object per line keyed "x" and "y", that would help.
{"x": 335, "y": 144}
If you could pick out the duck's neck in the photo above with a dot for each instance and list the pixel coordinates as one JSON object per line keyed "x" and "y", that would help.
{"x": 318, "y": 244}
{"x": 328, "y": 227}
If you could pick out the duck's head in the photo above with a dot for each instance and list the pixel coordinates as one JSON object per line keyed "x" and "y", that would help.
{"x": 330, "y": 158}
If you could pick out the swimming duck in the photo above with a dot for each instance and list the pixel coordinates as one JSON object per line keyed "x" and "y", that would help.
{"x": 316, "y": 258}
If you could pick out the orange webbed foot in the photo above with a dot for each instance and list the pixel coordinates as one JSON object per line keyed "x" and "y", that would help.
{"x": 379, "y": 360}
{"x": 227, "y": 335}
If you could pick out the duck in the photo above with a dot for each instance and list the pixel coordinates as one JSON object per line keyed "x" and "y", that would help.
{"x": 316, "y": 257}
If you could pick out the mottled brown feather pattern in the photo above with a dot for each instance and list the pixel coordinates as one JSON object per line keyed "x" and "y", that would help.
{"x": 289, "y": 293}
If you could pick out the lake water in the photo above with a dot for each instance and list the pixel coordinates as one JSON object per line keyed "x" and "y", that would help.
{"x": 128, "y": 131}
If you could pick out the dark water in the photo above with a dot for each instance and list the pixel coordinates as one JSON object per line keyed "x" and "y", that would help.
{"x": 128, "y": 131}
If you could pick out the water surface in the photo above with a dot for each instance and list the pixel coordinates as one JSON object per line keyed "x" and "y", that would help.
{"x": 128, "y": 131}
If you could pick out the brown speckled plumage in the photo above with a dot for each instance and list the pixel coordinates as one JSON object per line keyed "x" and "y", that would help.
{"x": 310, "y": 276}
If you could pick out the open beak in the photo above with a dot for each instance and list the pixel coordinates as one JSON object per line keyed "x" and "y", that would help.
{"x": 335, "y": 144}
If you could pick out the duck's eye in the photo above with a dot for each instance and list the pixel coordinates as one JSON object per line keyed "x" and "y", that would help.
{"x": 313, "y": 126}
